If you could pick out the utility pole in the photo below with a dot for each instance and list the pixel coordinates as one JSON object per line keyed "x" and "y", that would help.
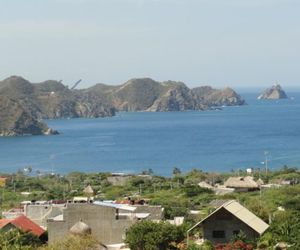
{"x": 266, "y": 161}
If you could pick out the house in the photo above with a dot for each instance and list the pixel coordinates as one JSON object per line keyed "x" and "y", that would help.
{"x": 108, "y": 222}
{"x": 118, "y": 179}
{"x": 39, "y": 213}
{"x": 241, "y": 184}
{"x": 229, "y": 219}
{"x": 3, "y": 181}
{"x": 13, "y": 213}
{"x": 88, "y": 191}
{"x": 22, "y": 223}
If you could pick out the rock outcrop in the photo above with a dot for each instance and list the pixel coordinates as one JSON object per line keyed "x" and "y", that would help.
{"x": 145, "y": 94}
{"x": 215, "y": 97}
{"x": 16, "y": 120}
{"x": 273, "y": 93}
{"x": 23, "y": 105}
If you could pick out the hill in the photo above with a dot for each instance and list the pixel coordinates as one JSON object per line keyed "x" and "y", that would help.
{"x": 17, "y": 120}
{"x": 28, "y": 103}
{"x": 145, "y": 94}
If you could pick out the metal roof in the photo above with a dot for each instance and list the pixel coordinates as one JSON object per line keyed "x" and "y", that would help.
{"x": 118, "y": 206}
{"x": 246, "y": 216}
{"x": 242, "y": 214}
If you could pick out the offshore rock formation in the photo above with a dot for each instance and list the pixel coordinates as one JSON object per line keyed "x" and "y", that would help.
{"x": 23, "y": 104}
{"x": 273, "y": 93}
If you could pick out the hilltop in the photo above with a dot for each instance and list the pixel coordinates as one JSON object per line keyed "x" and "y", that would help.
{"x": 145, "y": 94}
{"x": 28, "y": 103}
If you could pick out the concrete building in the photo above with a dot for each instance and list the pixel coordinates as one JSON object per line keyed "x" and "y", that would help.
{"x": 108, "y": 222}
{"x": 229, "y": 219}
{"x": 118, "y": 179}
{"x": 40, "y": 213}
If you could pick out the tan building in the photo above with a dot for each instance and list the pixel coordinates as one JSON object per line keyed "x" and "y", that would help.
{"x": 229, "y": 219}
{"x": 108, "y": 222}
{"x": 118, "y": 179}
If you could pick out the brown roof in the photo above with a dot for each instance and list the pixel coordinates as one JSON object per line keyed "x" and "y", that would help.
{"x": 241, "y": 182}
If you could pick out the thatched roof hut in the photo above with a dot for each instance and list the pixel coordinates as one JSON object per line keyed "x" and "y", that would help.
{"x": 241, "y": 183}
{"x": 80, "y": 228}
{"x": 88, "y": 190}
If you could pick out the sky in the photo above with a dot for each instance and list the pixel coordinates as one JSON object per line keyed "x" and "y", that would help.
{"x": 237, "y": 43}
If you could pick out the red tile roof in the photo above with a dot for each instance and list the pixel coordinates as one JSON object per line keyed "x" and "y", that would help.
{"x": 4, "y": 222}
{"x": 24, "y": 224}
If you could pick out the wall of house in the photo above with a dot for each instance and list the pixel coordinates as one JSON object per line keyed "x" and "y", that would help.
{"x": 103, "y": 222}
{"x": 41, "y": 213}
{"x": 156, "y": 212}
{"x": 118, "y": 180}
{"x": 225, "y": 221}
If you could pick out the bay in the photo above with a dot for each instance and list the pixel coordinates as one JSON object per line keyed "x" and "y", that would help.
{"x": 219, "y": 141}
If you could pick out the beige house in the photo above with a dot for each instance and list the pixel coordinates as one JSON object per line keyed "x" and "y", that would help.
{"x": 107, "y": 222}
{"x": 229, "y": 219}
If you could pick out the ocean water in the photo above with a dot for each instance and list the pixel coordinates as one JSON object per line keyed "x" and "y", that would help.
{"x": 234, "y": 138}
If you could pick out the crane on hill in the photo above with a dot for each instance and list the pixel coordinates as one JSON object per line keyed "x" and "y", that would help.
{"x": 76, "y": 84}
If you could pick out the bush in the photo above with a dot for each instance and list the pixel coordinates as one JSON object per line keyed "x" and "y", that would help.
{"x": 148, "y": 235}
{"x": 74, "y": 243}
{"x": 16, "y": 239}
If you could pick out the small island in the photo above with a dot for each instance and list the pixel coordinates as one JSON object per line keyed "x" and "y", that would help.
{"x": 274, "y": 93}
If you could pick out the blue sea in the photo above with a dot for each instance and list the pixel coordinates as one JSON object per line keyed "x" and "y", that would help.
{"x": 219, "y": 141}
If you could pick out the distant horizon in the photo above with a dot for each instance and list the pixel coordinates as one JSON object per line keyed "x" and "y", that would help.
{"x": 249, "y": 89}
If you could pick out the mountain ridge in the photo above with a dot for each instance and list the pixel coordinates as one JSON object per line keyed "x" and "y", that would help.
{"x": 52, "y": 100}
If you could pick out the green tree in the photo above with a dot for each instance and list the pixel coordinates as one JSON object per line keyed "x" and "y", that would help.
{"x": 86, "y": 242}
{"x": 148, "y": 235}
{"x": 18, "y": 240}
{"x": 176, "y": 171}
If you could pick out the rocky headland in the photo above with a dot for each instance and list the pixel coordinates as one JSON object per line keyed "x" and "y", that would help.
{"x": 23, "y": 105}
{"x": 274, "y": 93}
{"x": 145, "y": 94}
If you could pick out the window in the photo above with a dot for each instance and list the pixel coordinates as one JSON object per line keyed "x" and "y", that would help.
{"x": 218, "y": 234}
{"x": 236, "y": 232}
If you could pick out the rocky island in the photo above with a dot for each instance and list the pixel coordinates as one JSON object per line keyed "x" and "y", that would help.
{"x": 273, "y": 93}
{"x": 23, "y": 105}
